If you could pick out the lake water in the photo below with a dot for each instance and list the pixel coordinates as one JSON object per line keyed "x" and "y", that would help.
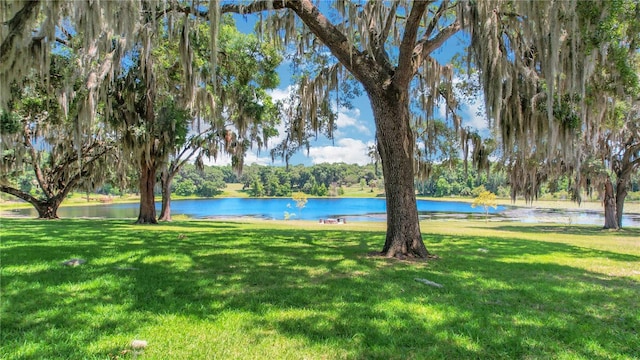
{"x": 270, "y": 208}
{"x": 352, "y": 209}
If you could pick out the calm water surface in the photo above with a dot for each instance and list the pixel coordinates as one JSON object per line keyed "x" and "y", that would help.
{"x": 352, "y": 209}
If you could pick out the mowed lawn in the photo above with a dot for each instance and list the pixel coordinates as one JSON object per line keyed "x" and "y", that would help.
{"x": 300, "y": 290}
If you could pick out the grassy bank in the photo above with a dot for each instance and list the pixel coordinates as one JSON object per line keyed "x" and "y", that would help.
{"x": 294, "y": 290}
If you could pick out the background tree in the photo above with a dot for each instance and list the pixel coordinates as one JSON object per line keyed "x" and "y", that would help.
{"x": 486, "y": 199}
{"x": 244, "y": 115}
{"x": 301, "y": 200}
{"x": 148, "y": 133}
{"x": 39, "y": 137}
{"x": 551, "y": 97}
{"x": 528, "y": 54}
{"x": 613, "y": 101}
{"x": 207, "y": 181}
{"x": 619, "y": 146}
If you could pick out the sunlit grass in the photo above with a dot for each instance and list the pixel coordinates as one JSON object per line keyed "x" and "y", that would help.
{"x": 296, "y": 290}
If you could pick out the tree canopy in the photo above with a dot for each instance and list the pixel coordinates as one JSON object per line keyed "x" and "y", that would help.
{"x": 535, "y": 59}
{"x": 38, "y": 137}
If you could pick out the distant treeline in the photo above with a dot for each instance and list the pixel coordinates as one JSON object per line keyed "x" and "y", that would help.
{"x": 260, "y": 180}
{"x": 332, "y": 179}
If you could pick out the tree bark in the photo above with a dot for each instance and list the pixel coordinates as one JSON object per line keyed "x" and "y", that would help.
{"x": 166, "y": 180}
{"x": 48, "y": 209}
{"x": 610, "y": 218}
{"x": 621, "y": 194}
{"x": 629, "y": 162}
{"x": 395, "y": 145}
{"x": 147, "y": 214}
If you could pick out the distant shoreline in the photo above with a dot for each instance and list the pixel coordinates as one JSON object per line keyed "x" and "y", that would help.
{"x": 540, "y": 213}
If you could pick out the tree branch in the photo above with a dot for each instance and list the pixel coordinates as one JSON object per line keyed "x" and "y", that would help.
{"x": 179, "y": 164}
{"x": 389, "y": 23}
{"x": 426, "y": 46}
{"x": 435, "y": 19}
{"x": 63, "y": 41}
{"x": 380, "y": 39}
{"x": 35, "y": 163}
{"x": 73, "y": 158}
{"x": 405, "y": 70}
{"x": 20, "y": 194}
{"x": 83, "y": 171}
{"x": 254, "y": 7}
{"x": 355, "y": 61}
{"x": 16, "y": 27}
{"x": 629, "y": 152}
{"x": 446, "y": 96}
{"x": 179, "y": 160}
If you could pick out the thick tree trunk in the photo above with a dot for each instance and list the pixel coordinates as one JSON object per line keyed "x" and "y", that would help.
{"x": 165, "y": 212}
{"x": 48, "y": 209}
{"x": 621, "y": 194}
{"x": 147, "y": 213}
{"x": 610, "y": 218}
{"x": 395, "y": 145}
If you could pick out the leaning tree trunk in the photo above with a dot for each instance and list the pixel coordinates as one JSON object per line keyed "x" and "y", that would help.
{"x": 395, "y": 145}
{"x": 165, "y": 211}
{"x": 47, "y": 209}
{"x": 621, "y": 194}
{"x": 147, "y": 213}
{"x": 610, "y": 217}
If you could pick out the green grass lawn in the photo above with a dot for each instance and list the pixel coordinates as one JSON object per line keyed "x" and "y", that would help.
{"x": 300, "y": 290}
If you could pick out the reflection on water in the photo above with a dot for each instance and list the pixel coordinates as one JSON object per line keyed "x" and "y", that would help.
{"x": 353, "y": 209}
{"x": 557, "y": 216}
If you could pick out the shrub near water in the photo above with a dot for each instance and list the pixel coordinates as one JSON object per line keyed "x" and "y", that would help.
{"x": 204, "y": 290}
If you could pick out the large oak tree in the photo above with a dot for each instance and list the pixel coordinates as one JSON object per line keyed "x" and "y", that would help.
{"x": 519, "y": 48}
{"x": 528, "y": 54}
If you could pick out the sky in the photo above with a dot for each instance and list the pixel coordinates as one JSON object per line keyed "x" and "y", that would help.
{"x": 355, "y": 127}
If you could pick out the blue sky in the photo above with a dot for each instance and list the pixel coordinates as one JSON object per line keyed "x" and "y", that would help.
{"x": 355, "y": 127}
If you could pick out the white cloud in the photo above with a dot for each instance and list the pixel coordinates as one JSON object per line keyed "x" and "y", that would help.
{"x": 473, "y": 115}
{"x": 281, "y": 94}
{"x": 252, "y": 157}
{"x": 221, "y": 160}
{"x": 350, "y": 118}
{"x": 347, "y": 150}
{"x": 346, "y": 117}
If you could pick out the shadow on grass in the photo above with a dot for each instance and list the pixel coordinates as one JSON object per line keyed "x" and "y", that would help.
{"x": 632, "y": 232}
{"x": 316, "y": 286}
